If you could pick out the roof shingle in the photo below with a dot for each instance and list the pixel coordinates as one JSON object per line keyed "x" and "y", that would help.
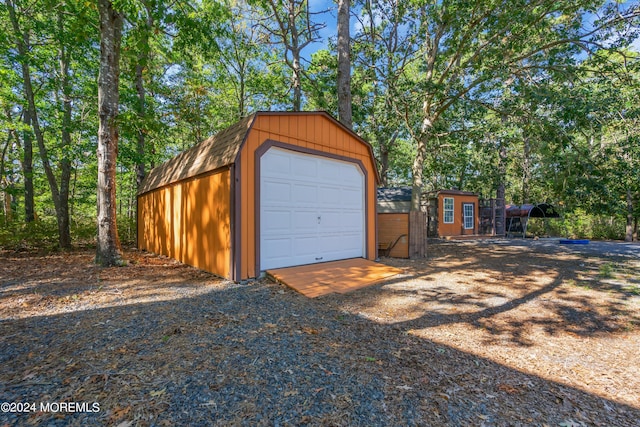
{"x": 213, "y": 153}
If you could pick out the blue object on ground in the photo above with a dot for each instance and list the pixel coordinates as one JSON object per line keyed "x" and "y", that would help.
{"x": 573, "y": 242}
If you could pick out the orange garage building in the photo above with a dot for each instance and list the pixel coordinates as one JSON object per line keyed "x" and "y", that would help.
{"x": 277, "y": 189}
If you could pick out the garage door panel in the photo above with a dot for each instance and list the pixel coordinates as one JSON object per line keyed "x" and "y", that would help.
{"x": 352, "y": 221}
{"x": 305, "y": 246}
{"x": 277, "y": 164}
{"x": 331, "y": 221}
{"x": 339, "y": 246}
{"x": 350, "y": 176}
{"x": 304, "y": 222}
{"x": 328, "y": 170}
{"x": 304, "y": 167}
{"x": 278, "y": 220}
{"x": 351, "y": 197}
{"x": 325, "y": 201}
{"x": 329, "y": 195}
{"x": 305, "y": 194}
{"x": 276, "y": 191}
{"x": 340, "y": 222}
{"x": 277, "y": 247}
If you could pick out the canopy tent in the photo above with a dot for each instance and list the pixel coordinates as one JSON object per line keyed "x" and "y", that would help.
{"x": 518, "y": 216}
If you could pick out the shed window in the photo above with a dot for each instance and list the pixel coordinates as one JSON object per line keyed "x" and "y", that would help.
{"x": 467, "y": 209}
{"x": 448, "y": 210}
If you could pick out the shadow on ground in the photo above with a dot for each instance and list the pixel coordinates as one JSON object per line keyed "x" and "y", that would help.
{"x": 260, "y": 354}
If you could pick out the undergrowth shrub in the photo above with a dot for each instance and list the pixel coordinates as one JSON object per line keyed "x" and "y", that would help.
{"x": 579, "y": 225}
{"x": 42, "y": 234}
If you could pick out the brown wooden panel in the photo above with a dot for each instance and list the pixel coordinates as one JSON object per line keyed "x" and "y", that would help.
{"x": 333, "y": 277}
{"x": 391, "y": 226}
{"x": 190, "y": 221}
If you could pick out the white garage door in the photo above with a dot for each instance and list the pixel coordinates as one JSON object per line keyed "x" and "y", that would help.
{"x": 311, "y": 209}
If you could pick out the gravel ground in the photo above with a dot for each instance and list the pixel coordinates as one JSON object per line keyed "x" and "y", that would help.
{"x": 161, "y": 344}
{"x": 594, "y": 247}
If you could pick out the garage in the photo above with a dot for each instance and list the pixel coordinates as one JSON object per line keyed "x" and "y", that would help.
{"x": 276, "y": 189}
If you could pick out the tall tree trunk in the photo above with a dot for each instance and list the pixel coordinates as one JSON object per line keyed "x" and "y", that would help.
{"x": 417, "y": 169}
{"x": 500, "y": 225}
{"x": 526, "y": 170}
{"x": 22, "y": 45}
{"x": 140, "y": 169}
{"x": 4, "y": 183}
{"x": 296, "y": 65}
{"x": 418, "y": 218}
{"x": 64, "y": 238}
{"x": 141, "y": 66}
{"x": 64, "y": 232}
{"x": 108, "y": 244}
{"x": 27, "y": 169}
{"x": 628, "y": 236}
{"x": 60, "y": 196}
{"x": 384, "y": 164}
{"x": 344, "y": 64}
{"x": 297, "y": 81}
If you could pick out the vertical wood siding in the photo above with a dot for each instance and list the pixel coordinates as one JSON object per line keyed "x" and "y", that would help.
{"x": 189, "y": 221}
{"x": 315, "y": 132}
{"x": 390, "y": 227}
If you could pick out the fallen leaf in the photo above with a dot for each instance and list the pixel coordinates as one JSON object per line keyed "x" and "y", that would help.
{"x": 507, "y": 388}
{"x": 157, "y": 393}
{"x": 310, "y": 331}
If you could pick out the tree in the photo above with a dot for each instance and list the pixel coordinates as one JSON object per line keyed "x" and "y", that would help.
{"x": 145, "y": 27}
{"x": 471, "y": 50}
{"x": 344, "y": 64}
{"x": 108, "y": 251}
{"x": 47, "y": 107}
{"x": 22, "y": 42}
{"x": 384, "y": 49}
{"x": 289, "y": 23}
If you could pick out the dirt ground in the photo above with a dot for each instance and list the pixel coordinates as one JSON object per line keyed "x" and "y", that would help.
{"x": 491, "y": 332}
{"x": 567, "y": 314}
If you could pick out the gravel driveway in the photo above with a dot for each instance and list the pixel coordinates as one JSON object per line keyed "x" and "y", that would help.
{"x": 471, "y": 336}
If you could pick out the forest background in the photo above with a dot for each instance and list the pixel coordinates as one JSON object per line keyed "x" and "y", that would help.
{"x": 537, "y": 100}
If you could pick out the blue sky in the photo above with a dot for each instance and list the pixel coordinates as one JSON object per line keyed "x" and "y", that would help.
{"x": 330, "y": 20}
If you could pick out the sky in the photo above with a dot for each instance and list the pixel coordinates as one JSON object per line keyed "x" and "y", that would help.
{"x": 330, "y": 19}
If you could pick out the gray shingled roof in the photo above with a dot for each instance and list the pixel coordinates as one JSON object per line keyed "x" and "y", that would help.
{"x": 395, "y": 194}
{"x": 213, "y": 153}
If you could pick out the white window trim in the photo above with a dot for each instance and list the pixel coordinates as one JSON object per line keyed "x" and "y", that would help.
{"x": 465, "y": 216}
{"x": 444, "y": 210}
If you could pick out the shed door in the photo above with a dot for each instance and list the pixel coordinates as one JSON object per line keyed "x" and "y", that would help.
{"x": 312, "y": 209}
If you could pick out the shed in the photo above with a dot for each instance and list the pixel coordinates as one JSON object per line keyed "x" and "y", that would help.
{"x": 276, "y": 189}
{"x": 394, "y": 205}
{"x": 452, "y": 213}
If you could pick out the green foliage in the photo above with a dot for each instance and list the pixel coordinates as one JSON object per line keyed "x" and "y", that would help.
{"x": 606, "y": 270}
{"x": 127, "y": 230}
{"x": 579, "y": 224}
{"x": 488, "y": 76}
{"x": 41, "y": 234}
